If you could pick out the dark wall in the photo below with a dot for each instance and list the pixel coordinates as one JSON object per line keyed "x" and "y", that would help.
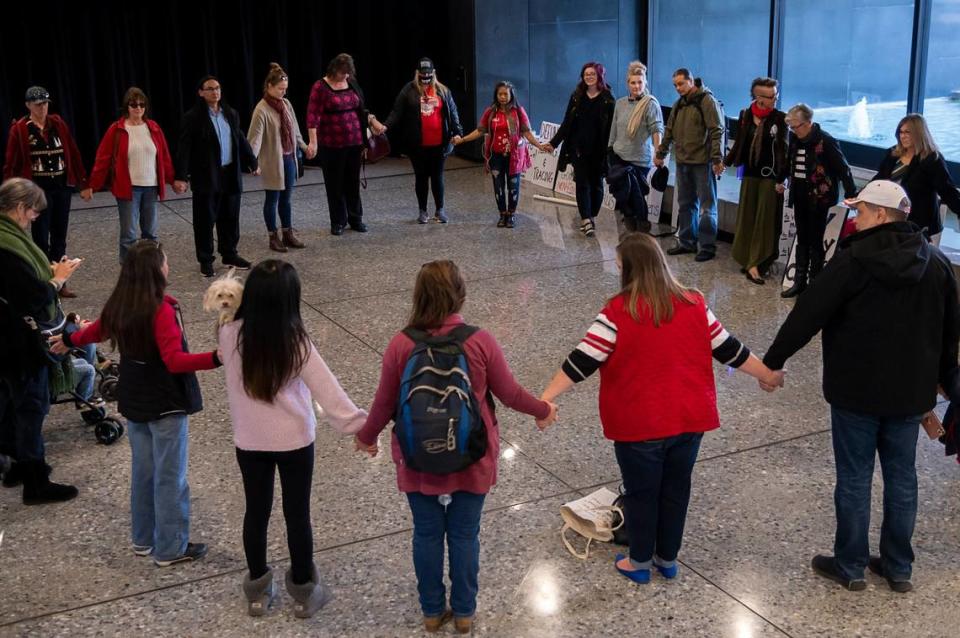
{"x": 87, "y": 53}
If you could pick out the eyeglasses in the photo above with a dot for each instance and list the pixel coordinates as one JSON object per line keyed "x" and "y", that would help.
{"x": 137, "y": 105}
{"x": 210, "y": 88}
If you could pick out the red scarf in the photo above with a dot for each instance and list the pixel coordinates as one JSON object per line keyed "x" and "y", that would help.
{"x": 759, "y": 112}
{"x": 286, "y": 127}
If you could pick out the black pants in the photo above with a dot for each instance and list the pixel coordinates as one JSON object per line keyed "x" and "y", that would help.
{"x": 220, "y": 210}
{"x": 24, "y": 404}
{"x": 588, "y": 176}
{"x": 49, "y": 230}
{"x": 428, "y": 170}
{"x": 341, "y": 178}
{"x": 296, "y": 476}
{"x": 809, "y": 216}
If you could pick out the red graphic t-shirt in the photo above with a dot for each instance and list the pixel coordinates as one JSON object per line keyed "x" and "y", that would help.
{"x": 500, "y": 133}
{"x": 431, "y": 122}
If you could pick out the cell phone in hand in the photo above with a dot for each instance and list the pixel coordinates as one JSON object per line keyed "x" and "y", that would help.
{"x": 932, "y": 425}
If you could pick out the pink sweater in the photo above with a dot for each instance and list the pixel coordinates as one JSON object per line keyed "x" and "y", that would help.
{"x": 289, "y": 423}
{"x": 488, "y": 371}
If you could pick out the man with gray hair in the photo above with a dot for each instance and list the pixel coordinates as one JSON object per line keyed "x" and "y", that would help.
{"x": 887, "y": 306}
{"x": 817, "y": 168}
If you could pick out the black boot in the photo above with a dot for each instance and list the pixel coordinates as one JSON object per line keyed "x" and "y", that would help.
{"x": 816, "y": 261}
{"x": 799, "y": 273}
{"x": 37, "y": 488}
{"x": 630, "y": 223}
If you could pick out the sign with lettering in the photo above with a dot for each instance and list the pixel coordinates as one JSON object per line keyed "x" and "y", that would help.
{"x": 836, "y": 217}
{"x": 654, "y": 200}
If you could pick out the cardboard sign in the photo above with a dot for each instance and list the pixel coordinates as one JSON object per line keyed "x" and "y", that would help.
{"x": 787, "y": 232}
{"x": 836, "y": 217}
{"x": 543, "y": 170}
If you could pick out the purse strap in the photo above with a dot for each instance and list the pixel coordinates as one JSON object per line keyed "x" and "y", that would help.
{"x": 586, "y": 551}
{"x": 363, "y": 173}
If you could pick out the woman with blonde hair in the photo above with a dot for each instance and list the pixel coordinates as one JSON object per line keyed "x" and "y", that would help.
{"x": 446, "y": 507}
{"x": 917, "y": 164}
{"x": 427, "y": 127}
{"x": 274, "y": 136}
{"x": 653, "y": 343}
{"x": 636, "y": 129}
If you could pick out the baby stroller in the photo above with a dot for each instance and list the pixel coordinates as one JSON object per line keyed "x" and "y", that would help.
{"x": 107, "y": 429}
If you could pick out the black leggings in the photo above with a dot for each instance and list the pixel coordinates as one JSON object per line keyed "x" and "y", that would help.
{"x": 809, "y": 216}
{"x": 428, "y": 169}
{"x": 296, "y": 476}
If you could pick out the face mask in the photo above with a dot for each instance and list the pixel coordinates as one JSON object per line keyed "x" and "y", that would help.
{"x": 426, "y": 79}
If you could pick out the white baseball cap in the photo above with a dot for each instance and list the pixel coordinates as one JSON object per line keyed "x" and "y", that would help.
{"x": 882, "y": 193}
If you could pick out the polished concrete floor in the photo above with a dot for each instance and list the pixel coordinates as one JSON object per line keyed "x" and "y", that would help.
{"x": 762, "y": 500}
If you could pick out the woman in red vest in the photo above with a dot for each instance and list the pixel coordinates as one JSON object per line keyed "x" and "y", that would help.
{"x": 653, "y": 343}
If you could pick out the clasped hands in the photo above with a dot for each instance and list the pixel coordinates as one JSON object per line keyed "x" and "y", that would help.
{"x": 772, "y": 381}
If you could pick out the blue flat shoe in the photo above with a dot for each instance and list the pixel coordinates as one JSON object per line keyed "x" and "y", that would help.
{"x": 668, "y": 572}
{"x": 641, "y": 576}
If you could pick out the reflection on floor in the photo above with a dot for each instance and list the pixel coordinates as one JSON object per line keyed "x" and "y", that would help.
{"x": 762, "y": 503}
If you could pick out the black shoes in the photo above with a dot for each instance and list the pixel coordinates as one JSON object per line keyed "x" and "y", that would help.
{"x": 195, "y": 551}
{"x": 236, "y": 261}
{"x": 206, "y": 270}
{"x": 359, "y": 227}
{"x": 37, "y": 487}
{"x": 336, "y": 229}
{"x": 754, "y": 280}
{"x": 680, "y": 249}
{"x": 900, "y": 586}
{"x": 705, "y": 255}
{"x": 826, "y": 566}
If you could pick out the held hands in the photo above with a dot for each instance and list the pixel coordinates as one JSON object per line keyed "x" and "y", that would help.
{"x": 780, "y": 189}
{"x": 57, "y": 346}
{"x": 718, "y": 168}
{"x": 543, "y": 424}
{"x": 376, "y": 127}
{"x": 547, "y": 148}
{"x": 86, "y": 194}
{"x": 659, "y": 161}
{"x": 772, "y": 380}
{"x": 457, "y": 140}
{"x": 360, "y": 446}
{"x": 179, "y": 186}
{"x": 311, "y": 151}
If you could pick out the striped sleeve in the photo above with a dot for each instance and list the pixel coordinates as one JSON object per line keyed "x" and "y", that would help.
{"x": 727, "y": 349}
{"x": 593, "y": 350}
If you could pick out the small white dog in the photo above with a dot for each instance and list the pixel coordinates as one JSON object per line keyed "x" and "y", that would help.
{"x": 224, "y": 296}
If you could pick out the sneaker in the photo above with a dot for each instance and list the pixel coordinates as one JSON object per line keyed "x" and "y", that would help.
{"x": 195, "y": 551}
{"x": 237, "y": 262}
{"x": 206, "y": 270}
{"x": 423, "y": 218}
{"x": 826, "y": 566}
{"x": 442, "y": 216}
{"x": 900, "y": 586}
{"x": 587, "y": 227}
{"x": 704, "y": 255}
{"x": 142, "y": 550}
{"x": 680, "y": 249}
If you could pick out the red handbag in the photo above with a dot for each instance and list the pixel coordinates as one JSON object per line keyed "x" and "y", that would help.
{"x": 378, "y": 147}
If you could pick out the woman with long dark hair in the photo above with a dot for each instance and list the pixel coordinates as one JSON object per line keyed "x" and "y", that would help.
{"x": 584, "y": 133}
{"x": 448, "y": 506}
{"x": 652, "y": 344}
{"x": 274, "y": 137}
{"x": 158, "y": 390}
{"x": 134, "y": 162}
{"x": 425, "y": 126}
{"x": 506, "y": 129}
{"x": 274, "y": 373}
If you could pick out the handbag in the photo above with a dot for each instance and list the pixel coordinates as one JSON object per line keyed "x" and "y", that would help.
{"x": 593, "y": 517}
{"x": 378, "y": 147}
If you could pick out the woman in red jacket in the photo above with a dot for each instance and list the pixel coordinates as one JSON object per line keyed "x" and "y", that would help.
{"x": 448, "y": 505}
{"x": 134, "y": 162}
{"x": 158, "y": 390}
{"x": 653, "y": 344}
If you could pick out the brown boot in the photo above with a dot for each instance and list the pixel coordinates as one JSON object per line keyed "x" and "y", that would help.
{"x": 463, "y": 624}
{"x": 276, "y": 243}
{"x": 434, "y": 623}
{"x": 290, "y": 240}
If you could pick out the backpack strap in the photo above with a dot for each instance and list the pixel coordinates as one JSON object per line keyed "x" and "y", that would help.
{"x": 458, "y": 335}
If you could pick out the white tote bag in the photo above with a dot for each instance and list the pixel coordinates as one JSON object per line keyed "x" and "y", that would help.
{"x": 591, "y": 517}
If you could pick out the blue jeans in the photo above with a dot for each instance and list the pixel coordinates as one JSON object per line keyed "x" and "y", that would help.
{"x": 857, "y": 439}
{"x": 24, "y": 404}
{"x": 274, "y": 201}
{"x": 159, "y": 494}
{"x": 138, "y": 217}
{"x": 460, "y": 523}
{"x": 656, "y": 481}
{"x": 86, "y": 375}
{"x": 506, "y": 187}
{"x": 696, "y": 193}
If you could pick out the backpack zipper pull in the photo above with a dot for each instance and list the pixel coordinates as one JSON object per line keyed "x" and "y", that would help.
{"x": 451, "y": 437}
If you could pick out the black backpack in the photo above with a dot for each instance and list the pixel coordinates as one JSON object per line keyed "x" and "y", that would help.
{"x": 438, "y": 422}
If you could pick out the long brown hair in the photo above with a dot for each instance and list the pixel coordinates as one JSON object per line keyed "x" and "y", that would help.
{"x": 273, "y": 343}
{"x": 647, "y": 282}
{"x": 438, "y": 293}
{"x": 923, "y": 143}
{"x": 128, "y": 317}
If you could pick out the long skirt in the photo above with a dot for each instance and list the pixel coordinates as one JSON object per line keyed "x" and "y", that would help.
{"x": 758, "y": 218}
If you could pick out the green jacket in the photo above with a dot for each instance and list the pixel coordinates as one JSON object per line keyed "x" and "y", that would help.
{"x": 695, "y": 129}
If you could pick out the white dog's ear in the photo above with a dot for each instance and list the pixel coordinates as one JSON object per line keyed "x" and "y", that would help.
{"x": 210, "y": 298}
{"x": 232, "y": 273}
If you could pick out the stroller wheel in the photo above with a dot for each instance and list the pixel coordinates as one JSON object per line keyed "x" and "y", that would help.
{"x": 108, "y": 388}
{"x": 108, "y": 431}
{"x": 93, "y": 416}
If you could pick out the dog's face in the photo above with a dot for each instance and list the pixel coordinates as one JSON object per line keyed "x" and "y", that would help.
{"x": 223, "y": 293}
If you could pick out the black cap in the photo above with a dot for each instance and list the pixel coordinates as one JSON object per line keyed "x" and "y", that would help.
{"x": 425, "y": 66}
{"x": 659, "y": 179}
{"x": 37, "y": 94}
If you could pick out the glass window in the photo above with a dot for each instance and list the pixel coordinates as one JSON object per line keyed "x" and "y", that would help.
{"x": 941, "y": 104}
{"x": 725, "y": 42}
{"x": 850, "y": 61}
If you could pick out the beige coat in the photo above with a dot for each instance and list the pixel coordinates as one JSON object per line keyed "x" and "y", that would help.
{"x": 264, "y": 138}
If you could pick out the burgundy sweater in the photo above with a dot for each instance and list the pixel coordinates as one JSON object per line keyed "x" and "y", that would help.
{"x": 488, "y": 371}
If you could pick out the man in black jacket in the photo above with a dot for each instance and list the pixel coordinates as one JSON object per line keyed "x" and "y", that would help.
{"x": 211, "y": 153}
{"x": 887, "y": 305}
